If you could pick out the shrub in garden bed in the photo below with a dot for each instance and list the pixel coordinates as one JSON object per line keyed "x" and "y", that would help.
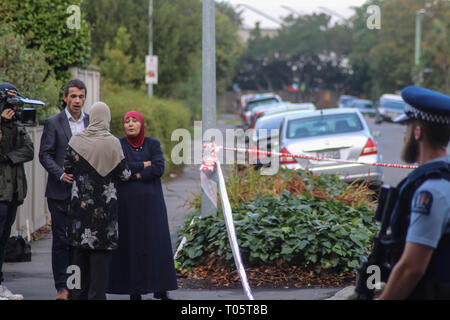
{"x": 292, "y": 219}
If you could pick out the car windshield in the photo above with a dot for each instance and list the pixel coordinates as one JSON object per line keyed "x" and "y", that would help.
{"x": 390, "y": 104}
{"x": 262, "y": 128}
{"x": 346, "y": 101}
{"x": 323, "y": 125}
{"x": 363, "y": 105}
{"x": 256, "y": 103}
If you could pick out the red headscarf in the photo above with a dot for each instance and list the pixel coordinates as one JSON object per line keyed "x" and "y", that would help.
{"x": 137, "y": 141}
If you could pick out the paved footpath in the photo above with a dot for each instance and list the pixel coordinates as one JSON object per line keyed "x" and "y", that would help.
{"x": 34, "y": 279}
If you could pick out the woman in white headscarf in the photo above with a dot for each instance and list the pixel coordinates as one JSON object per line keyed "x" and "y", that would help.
{"x": 96, "y": 160}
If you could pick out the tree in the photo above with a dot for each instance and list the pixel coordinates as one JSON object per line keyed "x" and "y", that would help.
{"x": 228, "y": 10}
{"x": 229, "y": 47}
{"x": 177, "y": 39}
{"x": 392, "y": 58}
{"x": 28, "y": 71}
{"x": 306, "y": 50}
{"x": 436, "y": 45}
{"x": 117, "y": 67}
{"x": 43, "y": 24}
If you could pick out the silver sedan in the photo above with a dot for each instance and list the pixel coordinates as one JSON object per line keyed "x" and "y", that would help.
{"x": 340, "y": 134}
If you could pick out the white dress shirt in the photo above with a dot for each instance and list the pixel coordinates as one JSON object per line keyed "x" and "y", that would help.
{"x": 76, "y": 126}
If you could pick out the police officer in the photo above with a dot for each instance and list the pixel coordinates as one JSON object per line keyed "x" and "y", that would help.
{"x": 420, "y": 222}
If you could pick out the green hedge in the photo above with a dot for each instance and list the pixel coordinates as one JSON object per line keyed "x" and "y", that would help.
{"x": 161, "y": 116}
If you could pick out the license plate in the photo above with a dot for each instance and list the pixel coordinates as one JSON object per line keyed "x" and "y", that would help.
{"x": 331, "y": 154}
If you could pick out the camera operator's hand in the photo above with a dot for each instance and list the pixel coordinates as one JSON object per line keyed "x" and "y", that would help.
{"x": 67, "y": 178}
{"x": 8, "y": 113}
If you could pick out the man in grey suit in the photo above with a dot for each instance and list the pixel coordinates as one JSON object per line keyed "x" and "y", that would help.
{"x": 58, "y": 130}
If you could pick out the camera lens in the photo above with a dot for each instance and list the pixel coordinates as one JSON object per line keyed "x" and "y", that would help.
{"x": 15, "y": 101}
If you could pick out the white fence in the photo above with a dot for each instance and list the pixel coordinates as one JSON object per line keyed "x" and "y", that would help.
{"x": 33, "y": 214}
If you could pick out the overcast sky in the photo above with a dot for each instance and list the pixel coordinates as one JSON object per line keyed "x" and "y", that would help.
{"x": 274, "y": 9}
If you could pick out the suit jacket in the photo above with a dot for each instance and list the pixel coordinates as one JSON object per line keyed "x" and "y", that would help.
{"x": 52, "y": 152}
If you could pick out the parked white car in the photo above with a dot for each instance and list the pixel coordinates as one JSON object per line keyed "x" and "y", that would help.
{"x": 390, "y": 107}
{"x": 340, "y": 133}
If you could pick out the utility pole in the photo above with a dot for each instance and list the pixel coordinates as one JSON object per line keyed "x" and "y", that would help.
{"x": 208, "y": 208}
{"x": 150, "y": 40}
{"x": 418, "y": 74}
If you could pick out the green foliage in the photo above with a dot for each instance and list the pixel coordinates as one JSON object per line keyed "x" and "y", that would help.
{"x": 227, "y": 9}
{"x": 28, "y": 71}
{"x": 300, "y": 229}
{"x": 436, "y": 46}
{"x": 392, "y": 58}
{"x": 161, "y": 116}
{"x": 383, "y": 60}
{"x": 117, "y": 67}
{"x": 43, "y": 23}
{"x": 305, "y": 50}
{"x": 177, "y": 41}
{"x": 349, "y": 57}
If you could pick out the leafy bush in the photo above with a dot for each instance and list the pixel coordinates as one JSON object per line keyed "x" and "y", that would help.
{"x": 43, "y": 23}
{"x": 28, "y": 71}
{"x": 303, "y": 229}
{"x": 161, "y": 116}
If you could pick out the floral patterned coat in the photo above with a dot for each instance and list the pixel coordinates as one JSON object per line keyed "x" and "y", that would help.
{"x": 93, "y": 211}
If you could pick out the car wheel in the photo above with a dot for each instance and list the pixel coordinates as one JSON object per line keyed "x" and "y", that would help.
{"x": 378, "y": 119}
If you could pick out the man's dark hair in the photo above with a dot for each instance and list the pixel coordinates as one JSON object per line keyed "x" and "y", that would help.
{"x": 437, "y": 135}
{"x": 77, "y": 83}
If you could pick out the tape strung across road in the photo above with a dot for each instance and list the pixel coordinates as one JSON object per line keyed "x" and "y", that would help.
{"x": 256, "y": 152}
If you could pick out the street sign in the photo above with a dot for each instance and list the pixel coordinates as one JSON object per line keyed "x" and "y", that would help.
{"x": 151, "y": 70}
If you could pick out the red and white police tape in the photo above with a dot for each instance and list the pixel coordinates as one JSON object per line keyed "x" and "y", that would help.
{"x": 256, "y": 152}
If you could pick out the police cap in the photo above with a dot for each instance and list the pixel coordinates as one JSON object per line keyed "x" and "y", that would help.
{"x": 426, "y": 105}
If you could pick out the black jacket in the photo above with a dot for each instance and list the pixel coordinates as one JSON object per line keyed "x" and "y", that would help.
{"x": 52, "y": 152}
{"x": 22, "y": 151}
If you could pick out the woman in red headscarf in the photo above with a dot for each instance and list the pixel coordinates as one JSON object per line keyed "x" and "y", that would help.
{"x": 143, "y": 262}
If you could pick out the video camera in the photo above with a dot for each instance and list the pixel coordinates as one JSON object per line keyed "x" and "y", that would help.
{"x": 10, "y": 98}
